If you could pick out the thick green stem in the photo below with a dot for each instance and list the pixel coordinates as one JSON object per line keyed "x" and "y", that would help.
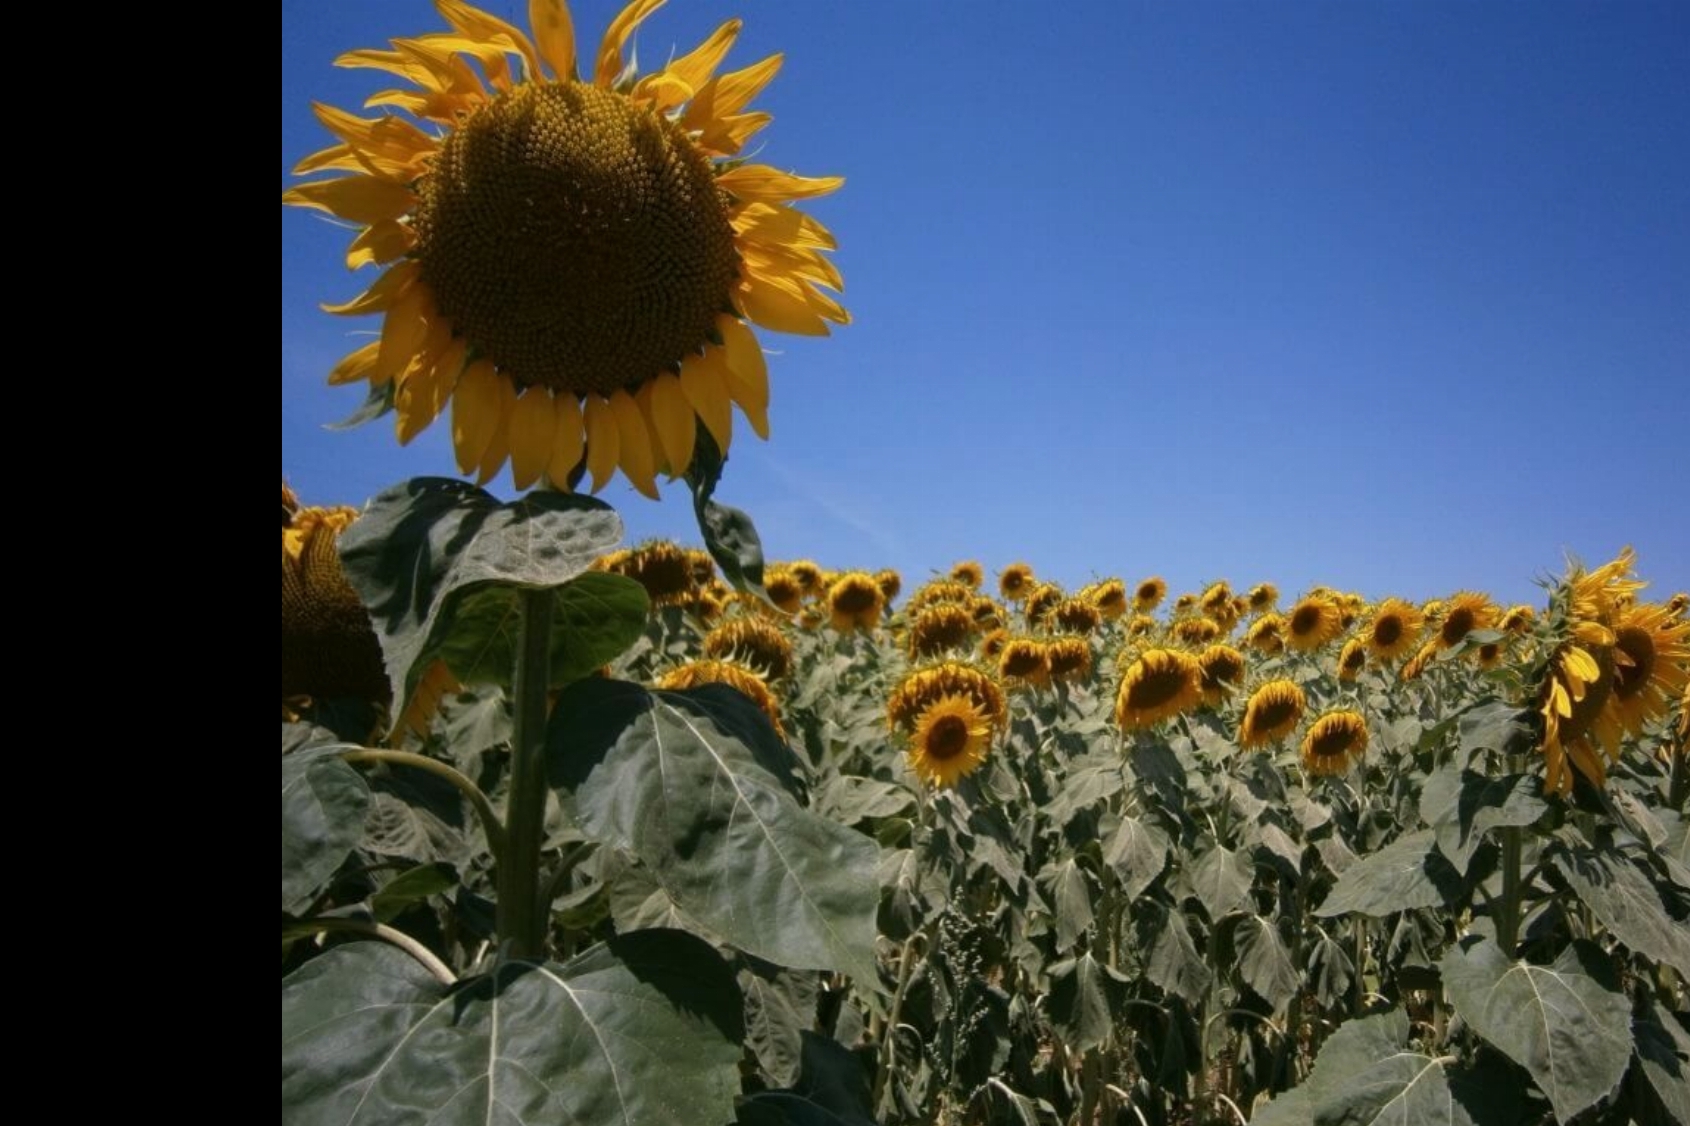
{"x": 1678, "y": 788}
{"x": 521, "y": 915}
{"x": 1508, "y": 906}
{"x": 483, "y": 807}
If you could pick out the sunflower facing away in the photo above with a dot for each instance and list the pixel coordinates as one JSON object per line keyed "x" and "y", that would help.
{"x": 1334, "y": 742}
{"x": 569, "y": 263}
{"x": 1273, "y": 712}
{"x": 1159, "y": 685}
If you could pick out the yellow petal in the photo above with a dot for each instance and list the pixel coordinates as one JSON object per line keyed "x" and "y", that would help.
{"x": 423, "y": 394}
{"x": 533, "y": 426}
{"x": 673, "y": 417}
{"x": 705, "y": 383}
{"x": 475, "y": 413}
{"x": 355, "y": 365}
{"x": 610, "y": 49}
{"x": 780, "y": 307}
{"x": 634, "y": 444}
{"x": 403, "y": 331}
{"x": 393, "y": 62}
{"x": 391, "y": 141}
{"x": 388, "y": 288}
{"x": 770, "y": 185}
{"x": 357, "y": 199}
{"x": 603, "y": 444}
{"x": 698, "y": 66}
{"x": 499, "y": 444}
{"x": 734, "y": 91}
{"x": 554, "y": 35}
{"x": 490, "y": 29}
{"x": 380, "y": 244}
{"x": 782, "y": 226}
{"x": 566, "y": 440}
{"x": 1580, "y": 665}
{"x": 1559, "y": 700}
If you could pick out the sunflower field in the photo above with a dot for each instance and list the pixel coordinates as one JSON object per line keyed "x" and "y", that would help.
{"x": 574, "y": 831}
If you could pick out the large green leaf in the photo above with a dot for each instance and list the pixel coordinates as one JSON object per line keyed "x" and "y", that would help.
{"x": 643, "y": 1029}
{"x": 1083, "y": 999}
{"x": 1495, "y": 725}
{"x": 1221, "y": 879}
{"x": 596, "y": 616}
{"x": 1137, "y": 852}
{"x": 1408, "y": 873}
{"x": 1171, "y": 961}
{"x": 1628, "y": 904}
{"x": 1663, "y": 1055}
{"x": 1462, "y": 805}
{"x": 323, "y": 806}
{"x": 419, "y": 543}
{"x": 1566, "y": 1023}
{"x": 697, "y": 785}
{"x": 1263, "y": 961}
{"x": 1069, "y": 891}
{"x": 1367, "y": 1076}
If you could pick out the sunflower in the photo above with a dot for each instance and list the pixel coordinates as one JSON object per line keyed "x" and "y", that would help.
{"x": 1489, "y": 655}
{"x": 1651, "y": 663}
{"x": 1141, "y": 625}
{"x": 969, "y": 573}
{"x": 1572, "y": 702}
{"x": 1196, "y": 631}
{"x": 930, "y": 683}
{"x": 1352, "y": 658}
{"x": 1263, "y": 597}
{"x": 1393, "y": 630}
{"x": 1463, "y": 613}
{"x": 854, "y": 602}
{"x": 1069, "y": 659}
{"x": 1313, "y": 621}
{"x": 1417, "y": 663}
{"x": 1517, "y": 620}
{"x": 1216, "y": 600}
{"x": 752, "y": 641}
{"x": 1024, "y": 661}
{"x": 890, "y": 583}
{"x": 1110, "y": 598}
{"x": 667, "y": 571}
{"x": 940, "y": 628}
{"x": 1078, "y": 614}
{"x": 743, "y": 680}
{"x": 992, "y": 643}
{"x": 808, "y": 576}
{"x": 1014, "y": 581}
{"x": 1149, "y": 594}
{"x": 1160, "y": 684}
{"x": 951, "y": 737}
{"x": 329, "y": 649}
{"x": 783, "y": 589}
{"x": 1267, "y": 634}
{"x": 1185, "y": 603}
{"x": 1040, "y": 602}
{"x": 940, "y": 590}
{"x": 1334, "y": 742}
{"x": 569, "y": 264}
{"x": 1222, "y": 668}
{"x": 1273, "y": 712}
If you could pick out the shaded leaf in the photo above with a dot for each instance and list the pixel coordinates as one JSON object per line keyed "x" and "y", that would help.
{"x": 645, "y": 1028}
{"x": 1462, "y": 805}
{"x": 1365, "y": 1075}
{"x": 1172, "y": 963}
{"x": 1070, "y": 895}
{"x": 1221, "y": 879}
{"x": 324, "y": 802}
{"x": 1137, "y": 852}
{"x": 1565, "y": 1023}
{"x": 1263, "y": 961}
{"x": 1084, "y": 994}
{"x": 1628, "y": 904}
{"x": 832, "y": 1090}
{"x": 411, "y": 886}
{"x": 773, "y": 1025}
{"x": 1663, "y": 1056}
{"x": 596, "y": 616}
{"x": 1406, "y": 874}
{"x": 1495, "y": 725}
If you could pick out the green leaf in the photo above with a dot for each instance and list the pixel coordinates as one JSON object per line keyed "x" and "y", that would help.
{"x": 1070, "y": 895}
{"x": 419, "y": 543}
{"x": 1221, "y": 879}
{"x": 1137, "y": 852}
{"x": 1172, "y": 963}
{"x": 324, "y": 802}
{"x": 1462, "y": 805}
{"x": 851, "y": 800}
{"x": 832, "y": 1090}
{"x": 1366, "y": 1076}
{"x": 409, "y": 887}
{"x": 1628, "y": 904}
{"x": 1084, "y": 995}
{"x": 697, "y": 785}
{"x": 729, "y": 534}
{"x": 1495, "y": 725}
{"x": 645, "y": 1028}
{"x": 773, "y": 1022}
{"x": 1565, "y": 1023}
{"x": 1406, "y": 874}
{"x": 1331, "y": 973}
{"x": 596, "y": 616}
{"x": 1263, "y": 961}
{"x": 1663, "y": 1055}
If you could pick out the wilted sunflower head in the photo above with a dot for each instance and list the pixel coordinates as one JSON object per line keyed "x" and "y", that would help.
{"x": 570, "y": 263}
{"x": 753, "y": 641}
{"x": 1222, "y": 669}
{"x": 1014, "y": 581}
{"x": 1069, "y": 658}
{"x": 1024, "y": 661}
{"x": 930, "y": 683}
{"x": 854, "y": 602}
{"x": 1393, "y": 630}
{"x": 1267, "y": 634}
{"x": 1110, "y": 598}
{"x": 1041, "y": 602}
{"x": 1273, "y": 712}
{"x": 939, "y": 629}
{"x": 1352, "y": 658}
{"x": 1334, "y": 742}
{"x": 969, "y": 573}
{"x": 1263, "y": 597}
{"x": 951, "y": 739}
{"x": 329, "y": 649}
{"x": 694, "y": 674}
{"x": 890, "y": 583}
{"x": 1158, "y": 685}
{"x": 667, "y": 571}
{"x": 1463, "y": 613}
{"x": 1149, "y": 594}
{"x": 1076, "y": 615}
{"x": 1312, "y": 622}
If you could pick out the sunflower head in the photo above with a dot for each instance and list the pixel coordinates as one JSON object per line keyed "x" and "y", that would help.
{"x": 992, "y": 643}
{"x": 1267, "y": 634}
{"x": 1352, "y": 658}
{"x": 1273, "y": 712}
{"x": 939, "y": 629}
{"x": 1223, "y": 670}
{"x": 1141, "y": 625}
{"x": 1025, "y": 661}
{"x": 1463, "y": 613}
{"x": 752, "y": 641}
{"x": 569, "y": 263}
{"x": 783, "y": 589}
{"x": 940, "y": 590}
{"x": 1149, "y": 594}
{"x": 1158, "y": 685}
{"x": 854, "y": 602}
{"x": 1110, "y": 598}
{"x": 329, "y": 649}
{"x": 1196, "y": 632}
{"x": 890, "y": 583}
{"x": 1263, "y": 597}
{"x": 808, "y": 576}
{"x": 1394, "y": 629}
{"x": 926, "y": 685}
{"x": 1069, "y": 658}
{"x": 743, "y": 680}
{"x": 1217, "y": 599}
{"x": 969, "y": 573}
{"x": 1014, "y": 581}
{"x": 1518, "y": 620}
{"x": 1041, "y": 602}
{"x": 1651, "y": 663}
{"x": 1312, "y": 622}
{"x": 667, "y": 571}
{"x": 1078, "y": 614}
{"x": 951, "y": 739}
{"x": 1334, "y": 742}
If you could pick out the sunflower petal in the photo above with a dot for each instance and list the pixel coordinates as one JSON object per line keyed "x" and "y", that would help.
{"x": 554, "y": 35}
{"x": 355, "y": 365}
{"x": 390, "y": 139}
{"x": 634, "y": 444}
{"x": 403, "y": 332}
{"x": 566, "y": 440}
{"x": 735, "y": 90}
{"x": 382, "y": 294}
{"x": 487, "y": 28}
{"x": 603, "y": 444}
{"x": 698, "y": 65}
{"x": 475, "y": 413}
{"x": 781, "y": 308}
{"x": 673, "y": 418}
{"x": 770, "y": 185}
{"x": 533, "y": 427}
{"x": 380, "y": 244}
{"x": 499, "y": 444}
{"x": 616, "y": 36}
{"x": 704, "y": 381}
{"x": 357, "y": 199}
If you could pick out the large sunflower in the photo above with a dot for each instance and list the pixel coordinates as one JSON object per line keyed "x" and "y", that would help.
{"x": 1334, "y": 742}
{"x": 1273, "y": 712}
{"x": 950, "y": 740}
{"x": 1159, "y": 685}
{"x": 570, "y": 264}
{"x": 1394, "y": 630}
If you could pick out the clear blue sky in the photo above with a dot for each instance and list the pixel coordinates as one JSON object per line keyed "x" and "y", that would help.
{"x": 1389, "y": 296}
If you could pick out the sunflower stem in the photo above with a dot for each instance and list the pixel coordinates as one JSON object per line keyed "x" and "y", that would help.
{"x": 521, "y": 915}
{"x": 1508, "y": 907}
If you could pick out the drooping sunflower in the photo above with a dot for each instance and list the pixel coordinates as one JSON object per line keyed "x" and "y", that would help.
{"x": 1463, "y": 613}
{"x": 1216, "y": 600}
{"x": 969, "y": 573}
{"x": 940, "y": 628}
{"x": 1160, "y": 684}
{"x": 1040, "y": 602}
{"x": 1110, "y": 598}
{"x": 1517, "y": 620}
{"x": 935, "y": 591}
{"x": 854, "y": 602}
{"x": 1263, "y": 597}
{"x": 951, "y": 738}
{"x": 1334, "y": 742}
{"x": 569, "y": 263}
{"x": 1223, "y": 669}
{"x": 1273, "y": 712}
{"x": 1024, "y": 661}
{"x": 1312, "y": 622}
{"x": 1651, "y": 663}
{"x": 743, "y": 680}
{"x": 808, "y": 574}
{"x": 329, "y": 648}
{"x": 890, "y": 583}
{"x": 992, "y": 643}
{"x": 1149, "y": 594}
{"x": 1352, "y": 658}
{"x": 1267, "y": 634}
{"x": 1141, "y": 625}
{"x": 1196, "y": 631}
{"x": 1014, "y": 581}
{"x": 1078, "y": 614}
{"x": 926, "y": 685}
{"x": 783, "y": 589}
{"x": 753, "y": 641}
{"x": 666, "y": 570}
{"x": 1069, "y": 658}
{"x": 1393, "y": 630}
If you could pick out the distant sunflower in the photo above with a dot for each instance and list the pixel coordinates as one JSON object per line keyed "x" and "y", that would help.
{"x": 1312, "y": 622}
{"x": 986, "y": 612}
{"x": 1069, "y": 658}
{"x": 1489, "y": 655}
{"x": 1110, "y": 598}
{"x": 666, "y": 571}
{"x": 329, "y": 648}
{"x": 1196, "y": 631}
{"x": 969, "y": 573}
{"x": 1222, "y": 667}
{"x": 890, "y": 583}
{"x": 1572, "y": 701}
{"x": 1149, "y": 594}
{"x": 1040, "y": 602}
{"x": 752, "y": 641}
{"x": 1464, "y": 613}
{"x": 1352, "y": 658}
{"x": 1334, "y": 742}
{"x": 925, "y": 686}
{"x": 808, "y": 575}
{"x": 951, "y": 739}
{"x": 1076, "y": 615}
{"x": 1273, "y": 712}
{"x": 1263, "y": 597}
{"x": 1394, "y": 630}
{"x": 694, "y": 674}
{"x": 783, "y": 589}
{"x": 1185, "y": 603}
{"x": 854, "y": 602}
{"x": 569, "y": 264}
{"x": 935, "y": 591}
{"x": 1158, "y": 685}
{"x": 1024, "y": 661}
{"x": 1015, "y": 581}
{"x": 1267, "y": 634}
{"x": 939, "y": 629}
{"x": 1141, "y": 625}
{"x": 1217, "y": 600}
{"x": 1417, "y": 664}
{"x": 1517, "y": 620}
{"x": 992, "y": 643}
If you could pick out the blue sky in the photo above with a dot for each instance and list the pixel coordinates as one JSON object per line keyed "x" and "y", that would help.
{"x": 1389, "y": 296}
